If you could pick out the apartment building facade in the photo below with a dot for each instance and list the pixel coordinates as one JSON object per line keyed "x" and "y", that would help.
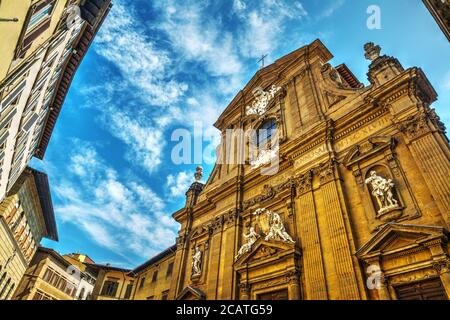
{"x": 26, "y": 216}
{"x": 45, "y": 41}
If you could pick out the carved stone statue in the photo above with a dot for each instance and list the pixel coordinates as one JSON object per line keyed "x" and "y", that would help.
{"x": 262, "y": 99}
{"x": 372, "y": 51}
{"x": 382, "y": 191}
{"x": 272, "y": 225}
{"x": 251, "y": 238}
{"x": 198, "y": 173}
{"x": 196, "y": 262}
{"x": 277, "y": 230}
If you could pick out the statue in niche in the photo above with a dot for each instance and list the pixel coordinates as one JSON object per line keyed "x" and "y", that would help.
{"x": 251, "y": 238}
{"x": 382, "y": 190}
{"x": 196, "y": 262}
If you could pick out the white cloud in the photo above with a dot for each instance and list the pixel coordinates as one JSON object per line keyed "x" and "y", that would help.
{"x": 121, "y": 214}
{"x": 146, "y": 142}
{"x": 329, "y": 10}
{"x": 179, "y": 184}
{"x": 122, "y": 42}
{"x": 264, "y": 23}
{"x": 200, "y": 37}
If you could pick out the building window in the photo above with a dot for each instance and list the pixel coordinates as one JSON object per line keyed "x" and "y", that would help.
{"x": 40, "y": 295}
{"x": 39, "y": 18}
{"x": 5, "y": 287}
{"x": 141, "y": 285}
{"x": 81, "y": 295}
{"x": 265, "y": 133}
{"x": 155, "y": 276}
{"x": 169, "y": 269}
{"x": 10, "y": 292}
{"x": 110, "y": 288}
{"x": 128, "y": 291}
{"x": 40, "y": 14}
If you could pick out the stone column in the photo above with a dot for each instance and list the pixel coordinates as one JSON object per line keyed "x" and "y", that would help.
{"x": 294, "y": 285}
{"x": 342, "y": 256}
{"x": 214, "y": 264}
{"x": 443, "y": 268}
{"x": 315, "y": 283}
{"x": 423, "y": 132}
{"x": 227, "y": 276}
{"x": 245, "y": 290}
{"x": 375, "y": 277}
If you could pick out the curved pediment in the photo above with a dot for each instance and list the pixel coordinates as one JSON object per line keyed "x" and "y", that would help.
{"x": 272, "y": 73}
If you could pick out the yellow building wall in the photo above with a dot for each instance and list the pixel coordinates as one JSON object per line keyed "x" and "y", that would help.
{"x": 10, "y": 31}
{"x": 33, "y": 281}
{"x": 154, "y": 290}
{"x": 121, "y": 277}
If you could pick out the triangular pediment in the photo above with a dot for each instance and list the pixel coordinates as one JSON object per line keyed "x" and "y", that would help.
{"x": 263, "y": 250}
{"x": 191, "y": 293}
{"x": 367, "y": 148}
{"x": 395, "y": 237}
{"x": 273, "y": 74}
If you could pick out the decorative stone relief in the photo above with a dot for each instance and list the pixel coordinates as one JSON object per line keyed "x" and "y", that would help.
{"x": 262, "y": 99}
{"x": 267, "y": 193}
{"x": 442, "y": 266}
{"x": 417, "y": 125}
{"x": 325, "y": 172}
{"x": 304, "y": 183}
{"x": 382, "y": 191}
{"x": 197, "y": 262}
{"x": 372, "y": 51}
{"x": 272, "y": 226}
{"x": 264, "y": 157}
{"x": 251, "y": 238}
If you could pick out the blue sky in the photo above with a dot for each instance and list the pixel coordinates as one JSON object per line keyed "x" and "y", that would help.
{"x": 156, "y": 66}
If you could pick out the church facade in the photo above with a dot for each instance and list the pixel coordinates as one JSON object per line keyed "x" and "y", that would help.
{"x": 356, "y": 204}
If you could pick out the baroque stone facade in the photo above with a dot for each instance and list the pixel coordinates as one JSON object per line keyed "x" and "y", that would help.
{"x": 362, "y": 184}
{"x": 357, "y": 207}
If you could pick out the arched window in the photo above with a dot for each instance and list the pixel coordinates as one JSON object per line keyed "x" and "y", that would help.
{"x": 265, "y": 133}
{"x": 81, "y": 295}
{"x": 4, "y": 288}
{"x": 10, "y": 292}
{"x": 2, "y": 278}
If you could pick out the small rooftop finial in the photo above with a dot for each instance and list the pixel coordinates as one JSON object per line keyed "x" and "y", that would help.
{"x": 372, "y": 51}
{"x": 198, "y": 173}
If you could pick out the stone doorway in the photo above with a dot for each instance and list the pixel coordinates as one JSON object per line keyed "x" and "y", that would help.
{"x": 423, "y": 290}
{"x": 274, "y": 295}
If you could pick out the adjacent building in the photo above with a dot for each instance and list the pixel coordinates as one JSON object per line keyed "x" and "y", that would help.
{"x": 80, "y": 264}
{"x": 26, "y": 216}
{"x": 341, "y": 191}
{"x": 153, "y": 278}
{"x": 112, "y": 283}
{"x": 43, "y": 43}
{"x": 440, "y": 10}
{"x": 49, "y": 277}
